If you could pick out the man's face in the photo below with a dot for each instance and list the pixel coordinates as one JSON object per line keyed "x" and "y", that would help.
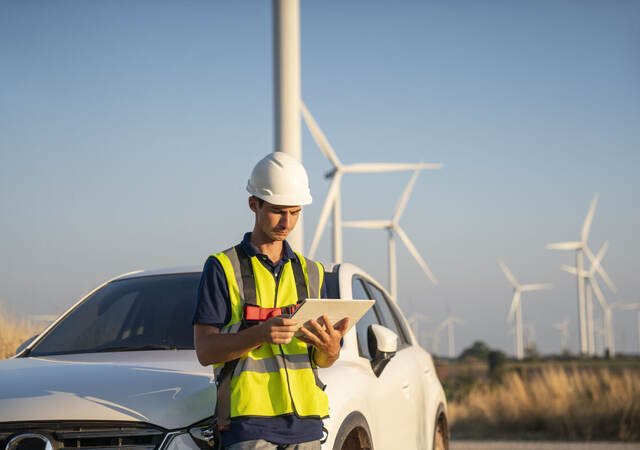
{"x": 274, "y": 221}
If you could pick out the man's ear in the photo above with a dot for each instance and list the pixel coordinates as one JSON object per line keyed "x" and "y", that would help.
{"x": 253, "y": 203}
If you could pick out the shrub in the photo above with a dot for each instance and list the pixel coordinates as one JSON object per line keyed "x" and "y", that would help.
{"x": 553, "y": 403}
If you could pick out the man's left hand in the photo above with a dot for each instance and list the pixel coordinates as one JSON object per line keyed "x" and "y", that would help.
{"x": 325, "y": 338}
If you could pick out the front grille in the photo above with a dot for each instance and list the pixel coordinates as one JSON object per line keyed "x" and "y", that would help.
{"x": 87, "y": 436}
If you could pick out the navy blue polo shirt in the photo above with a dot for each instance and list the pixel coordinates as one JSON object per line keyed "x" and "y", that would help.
{"x": 213, "y": 307}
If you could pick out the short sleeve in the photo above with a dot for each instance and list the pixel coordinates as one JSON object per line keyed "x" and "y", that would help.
{"x": 213, "y": 306}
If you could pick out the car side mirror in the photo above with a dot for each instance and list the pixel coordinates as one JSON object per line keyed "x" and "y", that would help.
{"x": 383, "y": 345}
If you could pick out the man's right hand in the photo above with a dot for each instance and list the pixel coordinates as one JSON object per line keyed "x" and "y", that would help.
{"x": 215, "y": 347}
{"x": 278, "y": 330}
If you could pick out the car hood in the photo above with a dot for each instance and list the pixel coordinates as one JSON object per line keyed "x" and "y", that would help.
{"x": 166, "y": 388}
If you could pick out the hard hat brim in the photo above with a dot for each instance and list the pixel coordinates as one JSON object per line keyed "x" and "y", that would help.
{"x": 282, "y": 200}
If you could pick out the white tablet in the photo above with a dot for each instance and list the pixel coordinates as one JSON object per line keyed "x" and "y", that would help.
{"x": 334, "y": 309}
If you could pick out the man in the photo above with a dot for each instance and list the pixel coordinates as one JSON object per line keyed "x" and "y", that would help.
{"x": 269, "y": 395}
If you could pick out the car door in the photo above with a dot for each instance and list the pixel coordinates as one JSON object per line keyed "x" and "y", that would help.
{"x": 421, "y": 376}
{"x": 404, "y": 366}
{"x": 392, "y": 396}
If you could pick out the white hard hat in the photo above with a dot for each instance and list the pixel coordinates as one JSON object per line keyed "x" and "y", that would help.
{"x": 280, "y": 179}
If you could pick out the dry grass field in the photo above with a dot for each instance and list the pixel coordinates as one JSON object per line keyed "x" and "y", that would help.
{"x": 555, "y": 403}
{"x": 13, "y": 332}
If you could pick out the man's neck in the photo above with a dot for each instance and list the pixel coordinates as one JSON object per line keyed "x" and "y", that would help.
{"x": 273, "y": 249}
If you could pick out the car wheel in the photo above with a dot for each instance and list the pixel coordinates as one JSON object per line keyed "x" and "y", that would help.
{"x": 354, "y": 434}
{"x": 440, "y": 435}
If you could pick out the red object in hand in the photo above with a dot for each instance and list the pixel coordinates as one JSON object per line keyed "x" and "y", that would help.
{"x": 259, "y": 314}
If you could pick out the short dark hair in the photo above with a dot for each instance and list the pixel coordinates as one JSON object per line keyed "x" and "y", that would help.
{"x": 260, "y": 201}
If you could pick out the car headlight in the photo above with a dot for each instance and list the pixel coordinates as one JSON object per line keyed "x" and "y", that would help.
{"x": 197, "y": 437}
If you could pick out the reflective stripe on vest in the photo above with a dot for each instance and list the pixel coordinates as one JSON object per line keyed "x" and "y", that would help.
{"x": 273, "y": 379}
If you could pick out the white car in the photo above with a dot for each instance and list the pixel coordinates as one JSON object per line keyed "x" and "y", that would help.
{"x": 118, "y": 369}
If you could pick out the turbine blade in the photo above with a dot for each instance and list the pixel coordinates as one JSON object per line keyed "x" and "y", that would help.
{"x": 598, "y": 268}
{"x": 318, "y": 136}
{"x": 598, "y": 292}
{"x": 602, "y": 251}
{"x": 536, "y": 287}
{"x": 587, "y": 221}
{"x": 389, "y": 167}
{"x": 514, "y": 305}
{"x": 508, "y": 274}
{"x": 564, "y": 246}
{"x": 402, "y": 203}
{"x": 571, "y": 270}
{"x": 369, "y": 224}
{"x": 629, "y": 306}
{"x": 324, "y": 215}
{"x": 415, "y": 253}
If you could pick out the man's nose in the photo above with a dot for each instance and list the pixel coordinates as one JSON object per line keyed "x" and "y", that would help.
{"x": 285, "y": 220}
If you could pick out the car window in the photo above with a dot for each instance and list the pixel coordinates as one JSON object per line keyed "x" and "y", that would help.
{"x": 358, "y": 291}
{"x": 387, "y": 316}
{"x": 369, "y": 318}
{"x": 152, "y": 311}
{"x": 401, "y": 321}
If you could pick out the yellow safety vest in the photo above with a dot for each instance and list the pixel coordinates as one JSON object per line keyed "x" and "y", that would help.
{"x": 272, "y": 380}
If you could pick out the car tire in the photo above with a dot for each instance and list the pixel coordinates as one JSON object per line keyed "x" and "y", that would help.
{"x": 441, "y": 432}
{"x": 354, "y": 434}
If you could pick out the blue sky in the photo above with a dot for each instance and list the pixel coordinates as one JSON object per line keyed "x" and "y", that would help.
{"x": 129, "y": 129}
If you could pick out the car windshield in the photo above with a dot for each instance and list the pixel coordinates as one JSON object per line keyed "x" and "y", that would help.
{"x": 144, "y": 313}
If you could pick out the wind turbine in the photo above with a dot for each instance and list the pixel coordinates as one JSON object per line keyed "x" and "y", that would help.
{"x": 516, "y": 304}
{"x": 601, "y": 334}
{"x": 393, "y": 228}
{"x": 630, "y": 307}
{"x": 531, "y": 335}
{"x": 563, "y": 327}
{"x": 333, "y": 200}
{"x": 512, "y": 332}
{"x": 414, "y": 321}
{"x": 592, "y": 285}
{"x": 449, "y": 322}
{"x": 579, "y": 246}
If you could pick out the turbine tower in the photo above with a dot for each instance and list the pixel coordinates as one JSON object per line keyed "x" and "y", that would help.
{"x": 516, "y": 304}
{"x": 512, "y": 332}
{"x": 449, "y": 322}
{"x": 592, "y": 285}
{"x": 393, "y": 228}
{"x": 563, "y": 327}
{"x": 579, "y": 246}
{"x": 414, "y": 322}
{"x": 631, "y": 307}
{"x": 531, "y": 336}
{"x": 286, "y": 90}
{"x": 333, "y": 200}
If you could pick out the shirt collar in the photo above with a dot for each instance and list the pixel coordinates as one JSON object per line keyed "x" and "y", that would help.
{"x": 251, "y": 250}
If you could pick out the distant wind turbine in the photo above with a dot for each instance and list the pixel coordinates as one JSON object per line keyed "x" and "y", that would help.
{"x": 630, "y": 307}
{"x": 579, "y": 246}
{"x": 512, "y": 332}
{"x": 414, "y": 322}
{"x": 531, "y": 335}
{"x": 333, "y": 200}
{"x": 592, "y": 285}
{"x": 563, "y": 327}
{"x": 449, "y": 322}
{"x": 393, "y": 227}
{"x": 601, "y": 334}
{"x": 516, "y": 304}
